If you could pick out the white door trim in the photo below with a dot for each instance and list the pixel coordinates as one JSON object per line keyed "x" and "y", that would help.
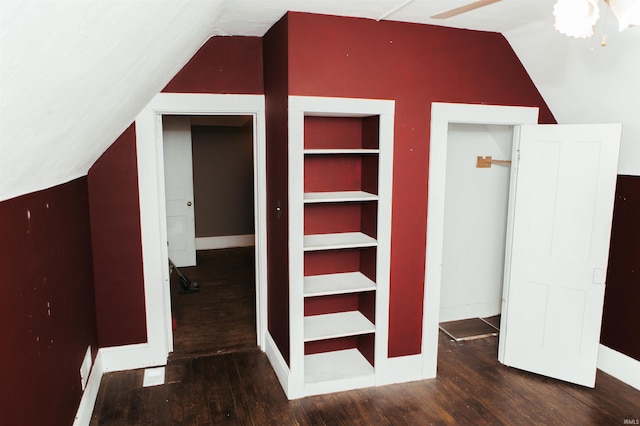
{"x": 152, "y": 206}
{"x": 441, "y": 115}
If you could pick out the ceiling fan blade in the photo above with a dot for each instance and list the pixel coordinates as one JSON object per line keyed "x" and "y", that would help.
{"x": 463, "y": 9}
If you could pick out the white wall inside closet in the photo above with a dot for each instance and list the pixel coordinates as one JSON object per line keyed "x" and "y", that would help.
{"x": 476, "y": 204}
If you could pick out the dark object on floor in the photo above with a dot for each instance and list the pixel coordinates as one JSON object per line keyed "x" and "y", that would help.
{"x": 468, "y": 329}
{"x": 186, "y": 286}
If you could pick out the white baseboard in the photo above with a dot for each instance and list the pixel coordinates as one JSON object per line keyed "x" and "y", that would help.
{"x": 227, "y": 241}
{"x": 478, "y": 310}
{"x": 116, "y": 358}
{"x": 128, "y": 357}
{"x": 619, "y": 365}
{"x": 277, "y": 362}
{"x": 88, "y": 401}
{"x": 400, "y": 370}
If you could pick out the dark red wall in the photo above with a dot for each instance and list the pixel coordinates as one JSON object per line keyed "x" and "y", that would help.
{"x": 222, "y": 65}
{"x": 47, "y": 318}
{"x": 415, "y": 65}
{"x": 116, "y": 241}
{"x": 276, "y": 98}
{"x": 621, "y": 322}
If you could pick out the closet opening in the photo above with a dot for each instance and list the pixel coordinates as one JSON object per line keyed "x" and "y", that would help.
{"x": 476, "y": 206}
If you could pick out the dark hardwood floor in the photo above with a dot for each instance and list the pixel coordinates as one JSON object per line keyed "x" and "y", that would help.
{"x": 472, "y": 388}
{"x": 217, "y": 375}
{"x": 221, "y": 317}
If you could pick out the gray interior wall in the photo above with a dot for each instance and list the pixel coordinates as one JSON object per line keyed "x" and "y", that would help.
{"x": 223, "y": 180}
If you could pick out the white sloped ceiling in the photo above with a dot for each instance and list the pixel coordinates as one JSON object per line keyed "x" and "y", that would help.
{"x": 74, "y": 74}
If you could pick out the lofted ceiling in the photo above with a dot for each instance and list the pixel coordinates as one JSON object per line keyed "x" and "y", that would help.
{"x": 74, "y": 74}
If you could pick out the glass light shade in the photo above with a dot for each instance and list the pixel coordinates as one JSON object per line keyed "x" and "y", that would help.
{"x": 576, "y": 18}
{"x": 627, "y": 12}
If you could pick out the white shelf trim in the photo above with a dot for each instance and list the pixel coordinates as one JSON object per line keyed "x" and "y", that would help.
{"x": 342, "y": 283}
{"x": 338, "y": 365}
{"x": 338, "y": 241}
{"x": 332, "y": 326}
{"x": 337, "y": 370}
{"x": 329, "y": 151}
{"x": 338, "y": 197}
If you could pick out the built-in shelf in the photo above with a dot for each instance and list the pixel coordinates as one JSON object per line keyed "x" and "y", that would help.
{"x": 332, "y": 326}
{"x": 328, "y": 284}
{"x": 340, "y": 168}
{"x": 338, "y": 197}
{"x": 337, "y": 365}
{"x": 338, "y": 241}
{"x": 340, "y": 151}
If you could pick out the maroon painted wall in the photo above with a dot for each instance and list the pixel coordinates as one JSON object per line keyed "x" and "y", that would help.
{"x": 276, "y": 98}
{"x": 47, "y": 318}
{"x": 222, "y": 65}
{"x": 620, "y": 321}
{"x": 116, "y": 241}
{"x": 415, "y": 65}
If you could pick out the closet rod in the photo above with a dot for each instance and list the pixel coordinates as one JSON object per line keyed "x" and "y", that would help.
{"x": 486, "y": 162}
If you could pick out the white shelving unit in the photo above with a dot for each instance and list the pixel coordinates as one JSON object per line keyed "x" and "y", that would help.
{"x": 342, "y": 283}
{"x": 340, "y": 151}
{"x": 341, "y": 240}
{"x": 329, "y": 371}
{"x": 338, "y": 197}
{"x": 320, "y": 368}
{"x": 333, "y": 326}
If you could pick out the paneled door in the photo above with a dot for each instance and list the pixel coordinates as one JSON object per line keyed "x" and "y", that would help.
{"x": 563, "y": 186}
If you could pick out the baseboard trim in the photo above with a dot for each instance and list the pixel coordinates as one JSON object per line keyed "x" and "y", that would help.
{"x": 278, "y": 363}
{"x": 478, "y": 310}
{"x": 400, "y": 369}
{"x": 227, "y": 241}
{"x": 116, "y": 358}
{"x": 90, "y": 394}
{"x": 127, "y": 357}
{"x": 619, "y": 365}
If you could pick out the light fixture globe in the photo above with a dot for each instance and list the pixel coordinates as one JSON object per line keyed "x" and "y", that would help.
{"x": 576, "y": 18}
{"x": 627, "y": 12}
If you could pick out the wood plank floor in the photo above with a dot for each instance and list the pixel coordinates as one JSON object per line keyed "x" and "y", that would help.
{"x": 221, "y": 317}
{"x": 471, "y": 388}
{"x": 217, "y": 375}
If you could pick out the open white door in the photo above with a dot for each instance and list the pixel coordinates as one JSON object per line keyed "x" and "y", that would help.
{"x": 557, "y": 249}
{"x": 178, "y": 178}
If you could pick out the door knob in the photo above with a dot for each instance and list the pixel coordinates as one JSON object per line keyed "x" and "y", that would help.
{"x": 189, "y": 203}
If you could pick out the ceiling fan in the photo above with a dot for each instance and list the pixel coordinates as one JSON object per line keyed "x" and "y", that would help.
{"x": 463, "y": 9}
{"x": 447, "y": 14}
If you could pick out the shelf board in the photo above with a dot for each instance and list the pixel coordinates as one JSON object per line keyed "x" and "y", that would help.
{"x": 341, "y": 151}
{"x": 338, "y": 241}
{"x": 332, "y": 326}
{"x": 327, "y": 284}
{"x": 338, "y": 365}
{"x": 336, "y": 197}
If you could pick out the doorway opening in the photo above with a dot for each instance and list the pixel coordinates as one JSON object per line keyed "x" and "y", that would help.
{"x": 461, "y": 119}
{"x": 153, "y": 216}
{"x": 475, "y": 225}
{"x": 209, "y": 192}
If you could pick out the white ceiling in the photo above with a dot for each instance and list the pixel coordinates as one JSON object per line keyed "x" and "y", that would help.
{"x": 74, "y": 74}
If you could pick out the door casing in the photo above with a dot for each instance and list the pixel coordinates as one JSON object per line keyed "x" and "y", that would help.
{"x": 150, "y": 163}
{"x": 441, "y": 115}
